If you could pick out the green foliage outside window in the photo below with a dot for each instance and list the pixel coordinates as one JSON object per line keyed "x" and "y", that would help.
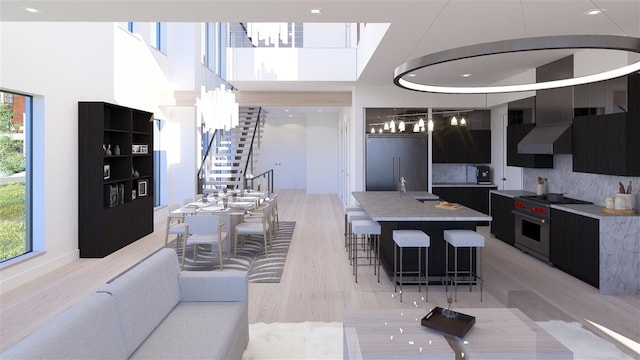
{"x": 11, "y": 158}
{"x": 12, "y": 194}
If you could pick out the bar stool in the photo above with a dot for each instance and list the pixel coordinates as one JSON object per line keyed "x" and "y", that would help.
{"x": 366, "y": 228}
{"x": 353, "y": 216}
{"x": 464, "y": 239}
{"x": 415, "y": 239}
{"x": 348, "y": 209}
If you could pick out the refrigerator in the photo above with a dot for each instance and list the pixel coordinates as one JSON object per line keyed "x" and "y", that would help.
{"x": 392, "y": 156}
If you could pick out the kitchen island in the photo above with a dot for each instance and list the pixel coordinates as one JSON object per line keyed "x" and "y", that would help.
{"x": 419, "y": 211}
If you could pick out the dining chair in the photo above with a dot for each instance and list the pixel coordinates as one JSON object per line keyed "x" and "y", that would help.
{"x": 263, "y": 227}
{"x": 204, "y": 230}
{"x": 175, "y": 225}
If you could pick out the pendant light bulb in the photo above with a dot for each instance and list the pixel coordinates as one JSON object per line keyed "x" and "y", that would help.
{"x": 430, "y": 125}
{"x": 454, "y": 121}
{"x": 463, "y": 121}
{"x": 416, "y": 127}
{"x": 386, "y": 125}
{"x": 421, "y": 123}
{"x": 392, "y": 126}
{"x": 373, "y": 131}
{"x": 380, "y": 131}
{"x": 401, "y": 126}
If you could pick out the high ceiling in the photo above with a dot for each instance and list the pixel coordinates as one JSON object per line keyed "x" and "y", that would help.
{"x": 417, "y": 27}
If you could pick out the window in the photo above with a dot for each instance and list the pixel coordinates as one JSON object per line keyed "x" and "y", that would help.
{"x": 158, "y": 36}
{"x": 15, "y": 183}
{"x": 126, "y": 25}
{"x": 212, "y": 46}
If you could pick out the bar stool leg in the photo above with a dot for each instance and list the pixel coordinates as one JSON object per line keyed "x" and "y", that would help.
{"x": 419, "y": 268}
{"x": 378, "y": 256}
{"x": 401, "y": 268}
{"x": 455, "y": 274}
{"x": 471, "y": 269}
{"x": 426, "y": 274}
{"x": 395, "y": 268}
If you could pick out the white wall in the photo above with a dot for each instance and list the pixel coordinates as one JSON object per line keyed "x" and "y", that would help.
{"x": 325, "y": 35}
{"x": 60, "y": 64}
{"x": 511, "y": 174}
{"x": 322, "y": 153}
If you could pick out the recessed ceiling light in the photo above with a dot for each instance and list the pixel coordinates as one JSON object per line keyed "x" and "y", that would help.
{"x": 286, "y": 110}
{"x": 290, "y": 115}
{"x": 31, "y": 10}
{"x": 315, "y": 11}
{"x": 465, "y": 75}
{"x": 594, "y": 12}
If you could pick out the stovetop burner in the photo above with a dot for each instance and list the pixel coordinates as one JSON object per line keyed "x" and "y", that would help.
{"x": 564, "y": 200}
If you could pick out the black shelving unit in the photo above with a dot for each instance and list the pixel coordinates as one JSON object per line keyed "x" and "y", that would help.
{"x": 115, "y": 208}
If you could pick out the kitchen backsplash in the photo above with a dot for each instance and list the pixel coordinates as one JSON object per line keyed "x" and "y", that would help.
{"x": 590, "y": 187}
{"x": 453, "y": 173}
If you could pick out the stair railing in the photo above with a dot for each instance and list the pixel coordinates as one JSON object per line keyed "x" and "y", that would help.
{"x": 264, "y": 178}
{"x": 256, "y": 129}
{"x": 201, "y": 182}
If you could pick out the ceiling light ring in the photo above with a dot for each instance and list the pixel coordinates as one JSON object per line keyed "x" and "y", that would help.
{"x": 604, "y": 42}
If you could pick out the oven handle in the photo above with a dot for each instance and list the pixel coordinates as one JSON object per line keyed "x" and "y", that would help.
{"x": 529, "y": 217}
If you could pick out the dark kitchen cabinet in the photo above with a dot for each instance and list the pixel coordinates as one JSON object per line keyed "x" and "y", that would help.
{"x": 575, "y": 241}
{"x": 390, "y": 157}
{"x": 458, "y": 144}
{"x": 503, "y": 223}
{"x": 606, "y": 144}
{"x": 515, "y": 133}
{"x": 474, "y": 197}
{"x": 115, "y": 206}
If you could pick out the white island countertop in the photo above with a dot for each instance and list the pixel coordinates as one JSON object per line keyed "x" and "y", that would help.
{"x": 394, "y": 206}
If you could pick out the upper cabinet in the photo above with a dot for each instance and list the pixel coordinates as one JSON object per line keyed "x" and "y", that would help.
{"x": 608, "y": 143}
{"x": 460, "y": 145}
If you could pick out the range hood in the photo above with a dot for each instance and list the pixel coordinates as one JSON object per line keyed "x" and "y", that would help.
{"x": 547, "y": 139}
{"x": 553, "y": 113}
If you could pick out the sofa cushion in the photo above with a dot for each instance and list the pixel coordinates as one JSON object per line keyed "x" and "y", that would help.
{"x": 199, "y": 330}
{"x": 145, "y": 294}
{"x": 89, "y": 330}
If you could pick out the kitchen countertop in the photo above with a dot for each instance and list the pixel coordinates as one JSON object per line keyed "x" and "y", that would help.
{"x": 394, "y": 206}
{"x": 511, "y": 193}
{"x": 590, "y": 210}
{"x": 462, "y": 185}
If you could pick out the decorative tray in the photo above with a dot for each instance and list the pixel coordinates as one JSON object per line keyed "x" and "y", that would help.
{"x": 619, "y": 212}
{"x": 458, "y": 326}
{"x": 448, "y": 205}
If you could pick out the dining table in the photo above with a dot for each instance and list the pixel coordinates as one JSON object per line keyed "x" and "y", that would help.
{"x": 232, "y": 207}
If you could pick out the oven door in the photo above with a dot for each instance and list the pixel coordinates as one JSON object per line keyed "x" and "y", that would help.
{"x": 532, "y": 235}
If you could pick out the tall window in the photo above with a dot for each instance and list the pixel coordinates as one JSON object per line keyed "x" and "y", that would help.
{"x": 212, "y": 46}
{"x": 158, "y": 37}
{"x": 15, "y": 184}
{"x": 126, "y": 25}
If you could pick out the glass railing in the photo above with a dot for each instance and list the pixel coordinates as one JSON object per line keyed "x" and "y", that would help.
{"x": 293, "y": 35}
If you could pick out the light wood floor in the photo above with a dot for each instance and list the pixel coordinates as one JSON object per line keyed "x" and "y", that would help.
{"x": 317, "y": 284}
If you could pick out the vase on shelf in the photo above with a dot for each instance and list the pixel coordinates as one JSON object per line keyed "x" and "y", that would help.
{"x": 116, "y": 150}
{"x": 108, "y": 151}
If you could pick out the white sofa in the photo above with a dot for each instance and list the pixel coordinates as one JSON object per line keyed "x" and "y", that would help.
{"x": 152, "y": 311}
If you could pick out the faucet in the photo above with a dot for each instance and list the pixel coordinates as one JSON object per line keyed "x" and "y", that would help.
{"x": 403, "y": 185}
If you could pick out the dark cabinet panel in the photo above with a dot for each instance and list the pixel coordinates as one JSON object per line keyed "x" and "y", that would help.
{"x": 474, "y": 197}
{"x": 503, "y": 223}
{"x": 606, "y": 144}
{"x": 461, "y": 145}
{"x": 390, "y": 157}
{"x": 575, "y": 242}
{"x": 515, "y": 133}
{"x": 111, "y": 212}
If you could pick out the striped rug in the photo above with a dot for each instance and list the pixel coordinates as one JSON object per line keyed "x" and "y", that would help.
{"x": 250, "y": 257}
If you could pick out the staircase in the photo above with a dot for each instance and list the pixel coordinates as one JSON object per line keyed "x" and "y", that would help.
{"x": 231, "y": 155}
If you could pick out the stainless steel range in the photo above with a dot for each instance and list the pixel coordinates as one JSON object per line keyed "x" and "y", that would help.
{"x": 533, "y": 223}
